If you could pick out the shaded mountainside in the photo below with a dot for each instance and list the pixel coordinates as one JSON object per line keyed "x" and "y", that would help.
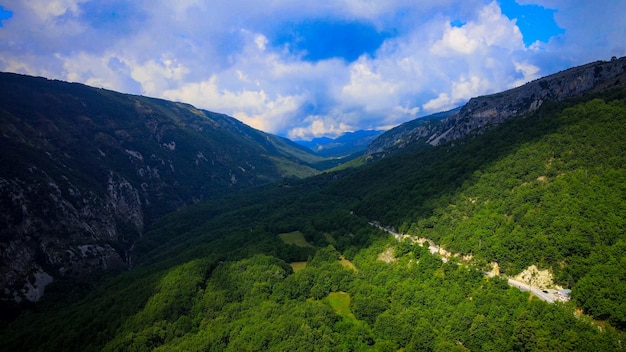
{"x": 86, "y": 171}
{"x": 492, "y": 109}
{"x": 296, "y": 265}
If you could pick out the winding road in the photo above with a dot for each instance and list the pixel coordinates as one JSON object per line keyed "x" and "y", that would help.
{"x": 549, "y": 296}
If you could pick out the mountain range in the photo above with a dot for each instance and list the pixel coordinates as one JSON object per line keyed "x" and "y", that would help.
{"x": 87, "y": 171}
{"x": 347, "y": 144}
{"x": 91, "y": 169}
{"x": 216, "y": 236}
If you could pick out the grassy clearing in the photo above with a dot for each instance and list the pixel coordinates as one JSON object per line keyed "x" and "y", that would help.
{"x": 297, "y": 266}
{"x": 295, "y": 238}
{"x": 348, "y": 264}
{"x": 340, "y": 301}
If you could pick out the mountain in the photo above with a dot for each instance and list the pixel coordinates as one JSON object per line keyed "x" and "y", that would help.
{"x": 87, "y": 171}
{"x": 409, "y": 132}
{"x": 347, "y": 144}
{"x": 492, "y": 109}
{"x": 301, "y": 265}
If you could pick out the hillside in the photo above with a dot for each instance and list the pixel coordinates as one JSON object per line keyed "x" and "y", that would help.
{"x": 297, "y": 266}
{"x": 483, "y": 111}
{"x": 87, "y": 171}
{"x": 547, "y": 190}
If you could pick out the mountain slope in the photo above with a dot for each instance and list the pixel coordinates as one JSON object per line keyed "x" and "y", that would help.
{"x": 409, "y": 132}
{"x": 545, "y": 189}
{"x": 86, "y": 171}
{"x": 491, "y": 109}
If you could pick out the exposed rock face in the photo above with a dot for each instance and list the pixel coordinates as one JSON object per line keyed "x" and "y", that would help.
{"x": 387, "y": 256}
{"x": 410, "y": 133}
{"x": 85, "y": 171}
{"x": 532, "y": 276}
{"x": 495, "y": 268}
{"x": 490, "y": 109}
{"x": 52, "y": 232}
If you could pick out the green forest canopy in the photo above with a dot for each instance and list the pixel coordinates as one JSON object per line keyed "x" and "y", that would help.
{"x": 546, "y": 189}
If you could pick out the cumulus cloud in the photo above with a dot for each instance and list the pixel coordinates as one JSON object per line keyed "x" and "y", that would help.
{"x": 490, "y": 29}
{"x": 368, "y": 88}
{"x": 232, "y": 57}
{"x": 253, "y": 107}
{"x": 318, "y": 126}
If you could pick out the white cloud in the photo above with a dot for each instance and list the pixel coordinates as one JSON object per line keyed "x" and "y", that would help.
{"x": 260, "y": 41}
{"x": 529, "y": 73}
{"x": 219, "y": 55}
{"x": 271, "y": 115}
{"x": 440, "y": 103}
{"x": 47, "y": 10}
{"x": 156, "y": 76}
{"x": 467, "y": 88}
{"x": 491, "y": 28}
{"x": 318, "y": 126}
{"x": 90, "y": 69}
{"x": 253, "y": 107}
{"x": 461, "y": 91}
{"x": 367, "y": 88}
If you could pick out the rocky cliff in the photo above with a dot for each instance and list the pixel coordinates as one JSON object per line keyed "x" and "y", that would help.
{"x": 489, "y": 109}
{"x": 414, "y": 133}
{"x": 85, "y": 171}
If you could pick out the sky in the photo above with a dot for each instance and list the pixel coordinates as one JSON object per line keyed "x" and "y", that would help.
{"x": 305, "y": 69}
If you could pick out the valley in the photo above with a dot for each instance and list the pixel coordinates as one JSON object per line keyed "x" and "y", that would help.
{"x": 278, "y": 262}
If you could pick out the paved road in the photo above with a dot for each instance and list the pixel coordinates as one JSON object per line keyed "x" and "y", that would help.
{"x": 549, "y": 296}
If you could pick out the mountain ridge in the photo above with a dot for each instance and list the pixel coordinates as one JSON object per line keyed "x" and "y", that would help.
{"x": 92, "y": 169}
{"x": 482, "y": 111}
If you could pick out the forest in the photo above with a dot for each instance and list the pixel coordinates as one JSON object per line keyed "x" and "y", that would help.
{"x": 296, "y": 265}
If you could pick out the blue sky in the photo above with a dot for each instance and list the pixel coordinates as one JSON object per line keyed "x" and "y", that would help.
{"x": 322, "y": 39}
{"x": 536, "y": 22}
{"x": 4, "y": 15}
{"x": 305, "y": 69}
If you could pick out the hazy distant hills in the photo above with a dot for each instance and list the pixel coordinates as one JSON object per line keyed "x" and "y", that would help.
{"x": 85, "y": 171}
{"x": 347, "y": 144}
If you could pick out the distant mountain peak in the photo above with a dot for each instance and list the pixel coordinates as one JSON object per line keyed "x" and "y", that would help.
{"x": 347, "y": 144}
